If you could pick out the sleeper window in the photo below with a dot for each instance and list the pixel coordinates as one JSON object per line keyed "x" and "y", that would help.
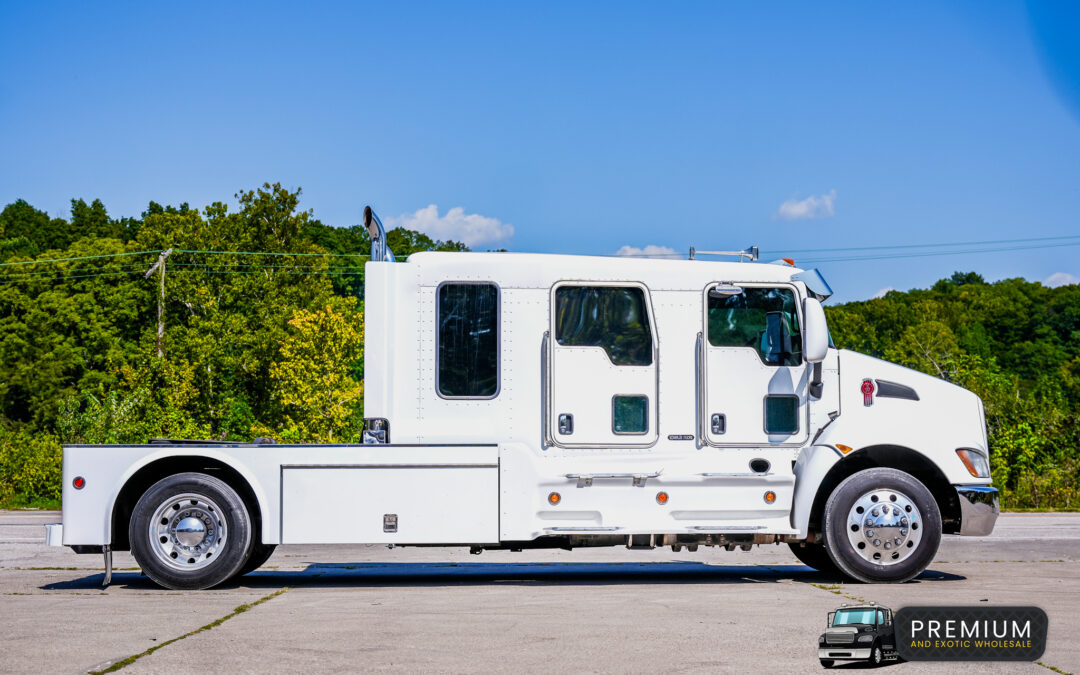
{"x": 468, "y": 340}
{"x": 612, "y": 317}
{"x": 764, "y": 319}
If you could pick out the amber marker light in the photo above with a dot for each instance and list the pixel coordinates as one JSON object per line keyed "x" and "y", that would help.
{"x": 843, "y": 448}
{"x": 661, "y": 498}
{"x": 554, "y": 498}
{"x": 770, "y": 497}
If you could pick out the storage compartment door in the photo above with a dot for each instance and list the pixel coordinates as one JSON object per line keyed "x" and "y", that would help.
{"x": 393, "y": 505}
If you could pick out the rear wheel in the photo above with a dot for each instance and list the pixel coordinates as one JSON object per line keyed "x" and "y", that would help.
{"x": 882, "y": 526}
{"x": 190, "y": 531}
{"x": 814, "y": 556}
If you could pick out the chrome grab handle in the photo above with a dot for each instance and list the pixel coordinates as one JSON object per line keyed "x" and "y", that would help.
{"x": 583, "y": 529}
{"x": 586, "y": 479}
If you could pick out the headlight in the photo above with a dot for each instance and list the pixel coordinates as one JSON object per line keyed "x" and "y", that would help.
{"x": 975, "y": 462}
{"x": 866, "y": 638}
{"x": 821, "y": 639}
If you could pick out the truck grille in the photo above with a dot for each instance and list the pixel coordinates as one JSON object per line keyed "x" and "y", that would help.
{"x": 839, "y": 638}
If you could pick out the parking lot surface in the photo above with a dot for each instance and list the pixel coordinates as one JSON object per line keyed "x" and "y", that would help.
{"x": 369, "y": 608}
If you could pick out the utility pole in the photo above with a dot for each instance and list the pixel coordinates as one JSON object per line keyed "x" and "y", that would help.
{"x": 161, "y": 298}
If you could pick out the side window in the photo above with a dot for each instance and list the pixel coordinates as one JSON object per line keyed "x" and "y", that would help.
{"x": 468, "y": 341}
{"x": 612, "y": 317}
{"x": 764, "y": 319}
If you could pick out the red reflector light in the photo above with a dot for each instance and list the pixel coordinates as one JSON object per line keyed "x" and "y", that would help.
{"x": 79, "y": 482}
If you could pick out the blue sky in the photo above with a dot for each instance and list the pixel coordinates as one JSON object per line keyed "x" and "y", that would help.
{"x": 581, "y": 128}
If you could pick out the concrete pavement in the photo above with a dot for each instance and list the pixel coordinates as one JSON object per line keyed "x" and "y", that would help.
{"x": 368, "y": 608}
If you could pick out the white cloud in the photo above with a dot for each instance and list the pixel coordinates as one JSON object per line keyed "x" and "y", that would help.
{"x": 472, "y": 229}
{"x": 883, "y": 292}
{"x": 822, "y": 206}
{"x": 1060, "y": 279}
{"x": 650, "y": 251}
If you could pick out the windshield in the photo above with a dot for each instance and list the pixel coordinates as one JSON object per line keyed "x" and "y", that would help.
{"x": 847, "y": 617}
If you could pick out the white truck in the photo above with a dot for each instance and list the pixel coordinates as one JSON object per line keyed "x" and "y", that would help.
{"x": 530, "y": 401}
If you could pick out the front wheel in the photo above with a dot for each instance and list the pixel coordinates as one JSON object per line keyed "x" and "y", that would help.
{"x": 190, "y": 531}
{"x": 826, "y": 663}
{"x": 882, "y": 526}
{"x": 876, "y": 657}
{"x": 814, "y": 556}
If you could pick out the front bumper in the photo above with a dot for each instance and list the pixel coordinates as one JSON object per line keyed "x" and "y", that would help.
{"x": 840, "y": 652}
{"x": 979, "y": 509}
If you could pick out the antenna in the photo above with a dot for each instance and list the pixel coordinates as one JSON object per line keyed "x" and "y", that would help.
{"x": 750, "y": 253}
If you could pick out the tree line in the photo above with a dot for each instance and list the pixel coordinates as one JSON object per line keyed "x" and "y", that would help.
{"x": 263, "y": 336}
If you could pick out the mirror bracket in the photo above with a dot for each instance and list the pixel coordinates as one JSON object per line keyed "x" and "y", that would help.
{"x": 816, "y": 385}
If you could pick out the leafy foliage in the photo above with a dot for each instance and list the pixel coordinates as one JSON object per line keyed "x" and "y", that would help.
{"x": 258, "y": 344}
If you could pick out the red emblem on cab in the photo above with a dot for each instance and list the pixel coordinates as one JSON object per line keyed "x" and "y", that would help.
{"x": 867, "y": 390}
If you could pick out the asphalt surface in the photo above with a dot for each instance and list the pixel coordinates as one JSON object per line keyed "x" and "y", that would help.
{"x": 365, "y": 608}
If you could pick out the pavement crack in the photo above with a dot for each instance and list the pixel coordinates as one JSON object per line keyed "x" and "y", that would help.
{"x": 123, "y": 663}
{"x": 1053, "y": 668}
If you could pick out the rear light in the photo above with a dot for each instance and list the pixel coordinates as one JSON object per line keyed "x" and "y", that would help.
{"x": 79, "y": 482}
{"x": 975, "y": 462}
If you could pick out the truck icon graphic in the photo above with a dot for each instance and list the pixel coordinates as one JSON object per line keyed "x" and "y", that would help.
{"x": 858, "y": 633}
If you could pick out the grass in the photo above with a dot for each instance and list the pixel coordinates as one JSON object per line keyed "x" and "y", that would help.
{"x": 23, "y": 502}
{"x": 217, "y": 622}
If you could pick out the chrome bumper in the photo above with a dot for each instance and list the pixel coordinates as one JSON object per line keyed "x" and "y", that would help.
{"x": 839, "y": 652}
{"x": 979, "y": 509}
{"x": 54, "y": 534}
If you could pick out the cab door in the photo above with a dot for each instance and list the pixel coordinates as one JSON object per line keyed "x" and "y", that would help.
{"x": 602, "y": 366}
{"x": 754, "y": 376}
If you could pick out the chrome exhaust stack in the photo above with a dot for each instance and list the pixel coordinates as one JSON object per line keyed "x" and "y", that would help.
{"x": 380, "y": 252}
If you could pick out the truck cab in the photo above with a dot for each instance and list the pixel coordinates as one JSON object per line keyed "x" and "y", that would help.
{"x": 858, "y": 633}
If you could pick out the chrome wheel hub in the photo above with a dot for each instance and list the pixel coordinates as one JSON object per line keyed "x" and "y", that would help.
{"x": 884, "y": 527}
{"x": 187, "y": 531}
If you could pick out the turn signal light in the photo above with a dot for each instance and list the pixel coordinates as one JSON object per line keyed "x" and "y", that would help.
{"x": 974, "y": 462}
{"x": 79, "y": 482}
{"x": 554, "y": 498}
{"x": 843, "y": 448}
{"x": 770, "y": 497}
{"x": 661, "y": 498}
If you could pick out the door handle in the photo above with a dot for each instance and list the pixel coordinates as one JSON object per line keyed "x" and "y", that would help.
{"x": 566, "y": 424}
{"x": 719, "y": 423}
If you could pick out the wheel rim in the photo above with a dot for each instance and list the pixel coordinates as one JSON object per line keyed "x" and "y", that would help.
{"x": 884, "y": 527}
{"x": 187, "y": 531}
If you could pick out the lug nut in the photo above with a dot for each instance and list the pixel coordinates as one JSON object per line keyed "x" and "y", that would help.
{"x": 903, "y": 532}
{"x": 888, "y": 545}
{"x": 877, "y": 542}
{"x": 896, "y": 540}
{"x": 874, "y": 512}
{"x": 869, "y": 534}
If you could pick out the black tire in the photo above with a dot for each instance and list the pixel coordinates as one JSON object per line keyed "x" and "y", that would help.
{"x": 260, "y": 553}
{"x": 876, "y": 657}
{"x": 173, "y": 512}
{"x": 843, "y": 500}
{"x": 814, "y": 556}
{"x": 827, "y": 663}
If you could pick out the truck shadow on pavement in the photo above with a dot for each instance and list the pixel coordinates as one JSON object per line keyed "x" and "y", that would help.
{"x": 453, "y": 574}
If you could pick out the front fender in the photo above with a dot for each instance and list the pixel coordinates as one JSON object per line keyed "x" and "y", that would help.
{"x": 811, "y": 467}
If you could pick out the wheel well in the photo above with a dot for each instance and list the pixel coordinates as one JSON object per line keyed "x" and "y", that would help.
{"x": 893, "y": 457}
{"x": 145, "y": 477}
